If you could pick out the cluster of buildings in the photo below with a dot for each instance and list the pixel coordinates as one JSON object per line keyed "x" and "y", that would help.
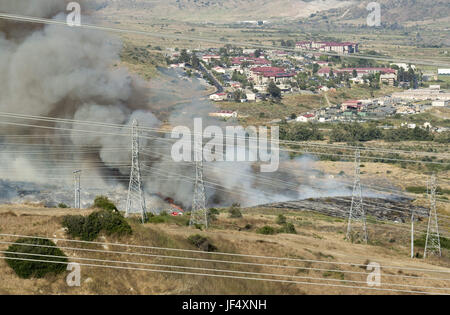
{"x": 256, "y": 69}
{"x": 433, "y": 93}
{"x": 255, "y": 75}
{"x": 409, "y": 102}
{"x": 358, "y": 75}
{"x": 246, "y": 75}
{"x": 340, "y": 48}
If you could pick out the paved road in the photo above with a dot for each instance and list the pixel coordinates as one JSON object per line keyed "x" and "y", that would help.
{"x": 208, "y": 73}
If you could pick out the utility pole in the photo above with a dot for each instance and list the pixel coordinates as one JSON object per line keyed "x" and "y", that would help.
{"x": 199, "y": 213}
{"x": 433, "y": 242}
{"x": 135, "y": 191}
{"x": 77, "y": 188}
{"x": 357, "y": 211}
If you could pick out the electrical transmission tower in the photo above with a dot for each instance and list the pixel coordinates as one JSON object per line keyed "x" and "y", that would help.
{"x": 433, "y": 242}
{"x": 135, "y": 191}
{"x": 199, "y": 213}
{"x": 357, "y": 211}
{"x": 77, "y": 188}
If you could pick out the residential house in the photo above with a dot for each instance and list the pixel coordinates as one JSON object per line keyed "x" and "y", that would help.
{"x": 263, "y": 75}
{"x": 440, "y": 103}
{"x": 341, "y": 48}
{"x": 251, "y": 97}
{"x": 209, "y": 58}
{"x": 305, "y": 118}
{"x": 217, "y": 97}
{"x": 224, "y": 114}
{"x": 443, "y": 71}
{"x": 219, "y": 70}
{"x": 421, "y": 95}
{"x": 351, "y": 105}
{"x": 388, "y": 78}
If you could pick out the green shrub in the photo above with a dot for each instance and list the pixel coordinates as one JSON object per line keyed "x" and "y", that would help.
{"x": 288, "y": 228}
{"x": 102, "y": 202}
{"x": 266, "y": 230}
{"x": 35, "y": 269}
{"x": 300, "y": 132}
{"x": 74, "y": 224}
{"x": 281, "y": 219}
{"x": 235, "y": 211}
{"x": 202, "y": 243}
{"x": 88, "y": 228}
{"x": 420, "y": 242}
{"x": 213, "y": 213}
{"x": 416, "y": 189}
{"x": 111, "y": 223}
{"x": 63, "y": 206}
{"x": 156, "y": 219}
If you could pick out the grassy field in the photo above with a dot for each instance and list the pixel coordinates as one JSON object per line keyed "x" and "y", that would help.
{"x": 443, "y": 81}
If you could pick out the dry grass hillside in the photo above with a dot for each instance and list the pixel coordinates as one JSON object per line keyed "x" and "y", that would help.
{"x": 221, "y": 11}
{"x": 318, "y": 246}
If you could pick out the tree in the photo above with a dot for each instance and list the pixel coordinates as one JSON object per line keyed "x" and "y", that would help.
{"x": 195, "y": 62}
{"x": 274, "y": 90}
{"x": 184, "y": 56}
{"x": 315, "y": 68}
{"x": 300, "y": 132}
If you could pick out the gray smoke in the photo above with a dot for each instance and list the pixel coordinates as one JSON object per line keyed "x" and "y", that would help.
{"x": 72, "y": 73}
{"x": 69, "y": 73}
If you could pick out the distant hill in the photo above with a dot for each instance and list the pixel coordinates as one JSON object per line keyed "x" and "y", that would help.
{"x": 225, "y": 10}
{"x": 393, "y": 11}
{"x": 397, "y": 11}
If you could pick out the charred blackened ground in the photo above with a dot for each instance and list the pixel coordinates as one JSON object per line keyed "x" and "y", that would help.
{"x": 397, "y": 210}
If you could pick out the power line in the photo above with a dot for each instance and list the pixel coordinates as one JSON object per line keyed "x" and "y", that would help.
{"x": 228, "y": 261}
{"x": 217, "y": 253}
{"x": 167, "y": 140}
{"x": 214, "y": 270}
{"x": 226, "y": 277}
{"x": 156, "y": 130}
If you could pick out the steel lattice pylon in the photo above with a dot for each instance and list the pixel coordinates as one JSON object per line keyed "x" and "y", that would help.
{"x": 357, "y": 211}
{"x": 199, "y": 213}
{"x": 433, "y": 242}
{"x": 135, "y": 191}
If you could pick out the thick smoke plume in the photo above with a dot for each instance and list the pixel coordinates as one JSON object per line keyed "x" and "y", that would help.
{"x": 65, "y": 72}
{"x": 72, "y": 73}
